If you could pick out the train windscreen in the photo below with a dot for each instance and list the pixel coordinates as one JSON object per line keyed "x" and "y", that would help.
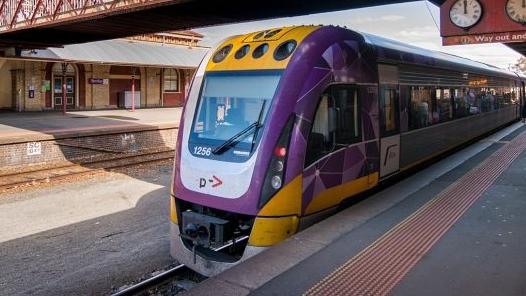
{"x": 232, "y": 107}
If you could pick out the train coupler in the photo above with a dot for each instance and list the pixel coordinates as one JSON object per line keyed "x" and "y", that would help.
{"x": 206, "y": 231}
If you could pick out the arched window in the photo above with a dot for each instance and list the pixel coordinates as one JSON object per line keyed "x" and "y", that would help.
{"x": 58, "y": 70}
{"x": 170, "y": 80}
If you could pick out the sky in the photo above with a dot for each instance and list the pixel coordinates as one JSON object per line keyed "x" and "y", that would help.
{"x": 414, "y": 22}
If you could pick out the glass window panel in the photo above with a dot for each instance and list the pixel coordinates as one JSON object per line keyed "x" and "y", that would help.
{"x": 444, "y": 108}
{"x": 389, "y": 110}
{"x": 336, "y": 122}
{"x": 58, "y": 69}
{"x": 58, "y": 86}
{"x": 170, "y": 80}
{"x": 461, "y": 103}
{"x": 70, "y": 85}
{"x": 421, "y": 107}
{"x": 230, "y": 103}
{"x": 346, "y": 114}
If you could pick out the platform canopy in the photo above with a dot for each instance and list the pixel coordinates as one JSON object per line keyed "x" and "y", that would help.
{"x": 122, "y": 52}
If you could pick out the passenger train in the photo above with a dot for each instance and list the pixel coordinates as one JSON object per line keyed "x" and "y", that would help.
{"x": 281, "y": 126}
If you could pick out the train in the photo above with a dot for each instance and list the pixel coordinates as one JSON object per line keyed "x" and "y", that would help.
{"x": 281, "y": 126}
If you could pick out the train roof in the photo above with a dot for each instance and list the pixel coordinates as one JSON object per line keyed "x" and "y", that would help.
{"x": 386, "y": 48}
{"x": 441, "y": 59}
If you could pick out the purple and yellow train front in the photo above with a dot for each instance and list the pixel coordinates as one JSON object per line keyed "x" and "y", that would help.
{"x": 264, "y": 149}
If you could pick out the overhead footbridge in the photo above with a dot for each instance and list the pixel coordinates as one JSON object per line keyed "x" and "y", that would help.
{"x": 46, "y": 23}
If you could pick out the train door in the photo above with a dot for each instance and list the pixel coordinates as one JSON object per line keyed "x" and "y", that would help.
{"x": 522, "y": 100}
{"x": 336, "y": 124}
{"x": 389, "y": 120}
{"x": 335, "y": 150}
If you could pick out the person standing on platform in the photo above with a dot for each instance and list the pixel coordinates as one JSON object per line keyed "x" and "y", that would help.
{"x": 523, "y": 114}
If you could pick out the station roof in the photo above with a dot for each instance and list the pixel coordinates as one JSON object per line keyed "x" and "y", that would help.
{"x": 122, "y": 52}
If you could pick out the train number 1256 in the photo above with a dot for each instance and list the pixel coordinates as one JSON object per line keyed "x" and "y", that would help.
{"x": 204, "y": 151}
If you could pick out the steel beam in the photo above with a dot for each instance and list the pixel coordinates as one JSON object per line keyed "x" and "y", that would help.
{"x": 65, "y": 11}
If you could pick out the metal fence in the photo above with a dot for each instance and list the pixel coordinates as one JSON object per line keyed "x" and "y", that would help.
{"x": 15, "y": 14}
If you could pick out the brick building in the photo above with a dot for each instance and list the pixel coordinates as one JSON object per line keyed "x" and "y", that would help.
{"x": 100, "y": 75}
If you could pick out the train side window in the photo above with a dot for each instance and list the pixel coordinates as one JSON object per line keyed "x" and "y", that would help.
{"x": 346, "y": 107}
{"x": 421, "y": 107}
{"x": 464, "y": 98}
{"x": 444, "y": 106}
{"x": 389, "y": 110}
{"x": 336, "y": 123}
{"x": 320, "y": 140}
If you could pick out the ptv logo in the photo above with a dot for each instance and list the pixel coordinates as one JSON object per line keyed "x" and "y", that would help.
{"x": 214, "y": 182}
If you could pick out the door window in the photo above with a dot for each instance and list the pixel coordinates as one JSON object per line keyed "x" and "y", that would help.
{"x": 58, "y": 85}
{"x": 69, "y": 85}
{"x": 389, "y": 111}
{"x": 57, "y": 90}
{"x": 58, "y": 100}
{"x": 336, "y": 123}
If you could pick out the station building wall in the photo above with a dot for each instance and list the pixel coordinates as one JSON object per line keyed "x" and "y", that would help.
{"x": 5, "y": 85}
{"x": 30, "y": 85}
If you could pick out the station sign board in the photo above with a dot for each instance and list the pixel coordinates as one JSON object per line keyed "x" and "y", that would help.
{"x": 482, "y": 21}
{"x": 505, "y": 37}
{"x": 34, "y": 148}
{"x": 98, "y": 81}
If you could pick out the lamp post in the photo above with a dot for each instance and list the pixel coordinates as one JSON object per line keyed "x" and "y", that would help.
{"x": 64, "y": 99}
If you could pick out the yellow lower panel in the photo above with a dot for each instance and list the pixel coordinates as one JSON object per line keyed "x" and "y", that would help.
{"x": 173, "y": 210}
{"x": 287, "y": 201}
{"x": 335, "y": 195}
{"x": 270, "y": 231}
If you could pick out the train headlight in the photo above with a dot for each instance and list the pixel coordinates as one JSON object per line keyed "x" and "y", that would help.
{"x": 276, "y": 182}
{"x": 275, "y": 173}
{"x": 279, "y": 166}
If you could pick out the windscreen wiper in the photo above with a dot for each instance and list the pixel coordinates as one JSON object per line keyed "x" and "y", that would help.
{"x": 258, "y": 126}
{"x": 234, "y": 139}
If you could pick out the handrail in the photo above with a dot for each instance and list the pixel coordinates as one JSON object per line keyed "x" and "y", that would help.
{"x": 19, "y": 14}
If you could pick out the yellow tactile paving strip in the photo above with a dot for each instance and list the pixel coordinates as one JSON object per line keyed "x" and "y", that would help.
{"x": 381, "y": 266}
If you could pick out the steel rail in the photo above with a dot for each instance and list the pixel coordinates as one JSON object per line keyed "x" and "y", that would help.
{"x": 157, "y": 279}
{"x": 141, "y": 286}
{"x": 112, "y": 164}
{"x": 91, "y": 163}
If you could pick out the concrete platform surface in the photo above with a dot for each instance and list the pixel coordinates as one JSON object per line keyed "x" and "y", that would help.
{"x": 481, "y": 254}
{"x": 35, "y": 126}
{"x": 86, "y": 236}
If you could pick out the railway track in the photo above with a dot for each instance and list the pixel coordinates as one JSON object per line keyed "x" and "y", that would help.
{"x": 165, "y": 277}
{"x": 45, "y": 175}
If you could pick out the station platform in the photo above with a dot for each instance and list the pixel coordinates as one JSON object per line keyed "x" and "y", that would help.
{"x": 49, "y": 139}
{"x": 457, "y": 227}
{"x": 37, "y": 126}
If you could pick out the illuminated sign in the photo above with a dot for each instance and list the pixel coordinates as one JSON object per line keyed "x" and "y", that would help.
{"x": 478, "y": 82}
